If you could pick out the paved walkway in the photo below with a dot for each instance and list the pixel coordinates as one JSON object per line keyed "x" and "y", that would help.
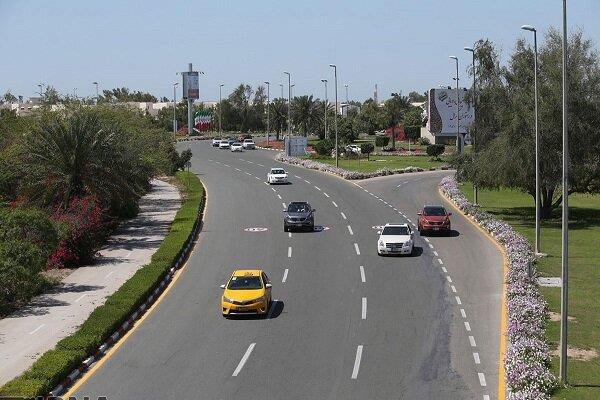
{"x": 36, "y": 328}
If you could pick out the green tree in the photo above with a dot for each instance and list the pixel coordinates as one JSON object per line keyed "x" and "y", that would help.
{"x": 413, "y": 117}
{"x": 367, "y": 148}
{"x": 394, "y": 110}
{"x": 415, "y": 97}
{"x": 8, "y": 97}
{"x": 370, "y": 118}
{"x": 306, "y": 113}
{"x": 278, "y": 115}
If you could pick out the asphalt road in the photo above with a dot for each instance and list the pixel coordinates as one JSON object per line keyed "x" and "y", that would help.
{"x": 347, "y": 324}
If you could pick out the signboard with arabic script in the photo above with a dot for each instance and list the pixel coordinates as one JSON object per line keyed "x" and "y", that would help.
{"x": 444, "y": 115}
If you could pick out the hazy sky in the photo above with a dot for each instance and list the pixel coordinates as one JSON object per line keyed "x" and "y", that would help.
{"x": 401, "y": 45}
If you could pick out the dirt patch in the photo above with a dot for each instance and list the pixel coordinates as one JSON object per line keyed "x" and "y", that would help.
{"x": 555, "y": 317}
{"x": 577, "y": 354}
{"x": 57, "y": 274}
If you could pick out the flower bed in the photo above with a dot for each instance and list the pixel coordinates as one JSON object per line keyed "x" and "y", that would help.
{"x": 526, "y": 361}
{"x": 350, "y": 175}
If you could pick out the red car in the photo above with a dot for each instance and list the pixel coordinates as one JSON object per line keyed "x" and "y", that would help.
{"x": 434, "y": 219}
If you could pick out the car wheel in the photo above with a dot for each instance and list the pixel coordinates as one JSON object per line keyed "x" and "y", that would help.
{"x": 285, "y": 228}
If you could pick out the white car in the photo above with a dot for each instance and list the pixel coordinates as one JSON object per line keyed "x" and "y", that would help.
{"x": 395, "y": 239}
{"x": 224, "y": 144}
{"x": 216, "y": 142}
{"x": 277, "y": 175}
{"x": 236, "y": 146}
{"x": 248, "y": 144}
{"x": 353, "y": 148}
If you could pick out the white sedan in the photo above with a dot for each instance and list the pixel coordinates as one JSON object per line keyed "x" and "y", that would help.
{"x": 216, "y": 142}
{"x": 236, "y": 146}
{"x": 395, "y": 239}
{"x": 248, "y": 144}
{"x": 224, "y": 144}
{"x": 277, "y": 175}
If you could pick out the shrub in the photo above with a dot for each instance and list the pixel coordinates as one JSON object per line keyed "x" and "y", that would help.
{"x": 324, "y": 147}
{"x": 423, "y": 141}
{"x": 412, "y": 132}
{"x": 382, "y": 141}
{"x": 435, "y": 150}
{"x": 367, "y": 148}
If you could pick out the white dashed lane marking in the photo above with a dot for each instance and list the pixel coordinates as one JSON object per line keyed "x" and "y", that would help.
{"x": 273, "y": 189}
{"x": 297, "y": 177}
{"x": 343, "y": 215}
{"x": 326, "y": 195}
{"x": 458, "y": 300}
{"x": 307, "y": 181}
{"x": 472, "y": 341}
{"x": 363, "y": 278}
{"x": 467, "y": 326}
{"x": 453, "y": 288}
{"x": 334, "y": 203}
{"x": 244, "y": 359}
{"x": 359, "y": 351}
{"x": 481, "y": 379}
{"x": 476, "y": 358}
{"x": 363, "y": 313}
{"x": 350, "y": 230}
{"x": 248, "y": 173}
{"x": 357, "y": 249}
{"x": 435, "y": 253}
{"x": 318, "y": 188}
{"x": 279, "y": 196}
{"x": 449, "y": 279}
{"x": 440, "y": 261}
{"x": 257, "y": 178}
{"x": 290, "y": 252}
{"x": 463, "y": 313}
{"x": 285, "y": 274}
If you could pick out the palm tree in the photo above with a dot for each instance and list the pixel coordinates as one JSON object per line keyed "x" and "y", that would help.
{"x": 306, "y": 113}
{"x": 79, "y": 153}
{"x": 279, "y": 115}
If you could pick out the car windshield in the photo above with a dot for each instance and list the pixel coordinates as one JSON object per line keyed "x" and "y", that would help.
{"x": 248, "y": 140}
{"x": 298, "y": 208}
{"x": 237, "y": 144}
{"x": 434, "y": 211}
{"x": 395, "y": 230}
{"x": 245, "y": 283}
{"x": 277, "y": 171}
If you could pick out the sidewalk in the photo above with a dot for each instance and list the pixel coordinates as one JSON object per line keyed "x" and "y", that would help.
{"x": 29, "y": 332}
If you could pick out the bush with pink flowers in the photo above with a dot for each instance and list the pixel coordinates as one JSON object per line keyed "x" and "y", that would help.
{"x": 526, "y": 361}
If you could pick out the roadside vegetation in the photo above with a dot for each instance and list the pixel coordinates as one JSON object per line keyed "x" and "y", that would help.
{"x": 502, "y": 164}
{"x": 66, "y": 179}
{"x": 54, "y": 365}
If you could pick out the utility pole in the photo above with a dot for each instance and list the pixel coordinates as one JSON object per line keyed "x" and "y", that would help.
{"x": 335, "y": 115}
{"x": 564, "y": 292}
{"x": 326, "y": 104}
{"x": 220, "y": 107}
{"x": 268, "y": 107}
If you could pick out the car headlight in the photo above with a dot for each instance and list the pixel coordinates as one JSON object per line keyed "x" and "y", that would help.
{"x": 227, "y": 300}
{"x": 258, "y": 300}
{"x": 380, "y": 243}
{"x": 408, "y": 244}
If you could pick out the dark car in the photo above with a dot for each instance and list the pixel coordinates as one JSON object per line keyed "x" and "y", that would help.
{"x": 299, "y": 214}
{"x": 434, "y": 219}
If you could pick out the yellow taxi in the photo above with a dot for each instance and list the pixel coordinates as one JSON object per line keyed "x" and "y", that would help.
{"x": 248, "y": 291}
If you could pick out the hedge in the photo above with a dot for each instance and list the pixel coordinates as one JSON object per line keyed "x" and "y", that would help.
{"x": 55, "y": 365}
{"x": 382, "y": 141}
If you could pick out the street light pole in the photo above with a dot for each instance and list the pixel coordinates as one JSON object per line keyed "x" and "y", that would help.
{"x": 326, "y": 104}
{"x": 335, "y": 114}
{"x": 96, "y": 83}
{"x": 41, "y": 85}
{"x": 268, "y": 107}
{"x": 458, "y": 141}
{"x": 174, "y": 111}
{"x": 537, "y": 139}
{"x": 346, "y": 86}
{"x": 220, "y": 113}
{"x": 281, "y": 85}
{"x": 564, "y": 292}
{"x": 472, "y": 50}
{"x": 289, "y": 110}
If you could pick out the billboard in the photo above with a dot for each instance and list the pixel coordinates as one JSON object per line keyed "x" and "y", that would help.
{"x": 443, "y": 115}
{"x": 295, "y": 146}
{"x": 191, "y": 89}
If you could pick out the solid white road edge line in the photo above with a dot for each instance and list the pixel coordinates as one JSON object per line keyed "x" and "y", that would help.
{"x": 359, "y": 350}
{"x": 357, "y": 249}
{"x": 285, "y": 274}
{"x": 244, "y": 359}
{"x": 362, "y": 274}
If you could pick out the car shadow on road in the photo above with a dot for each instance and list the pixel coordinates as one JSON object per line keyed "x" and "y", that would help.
{"x": 275, "y": 311}
{"x": 452, "y": 233}
{"x": 417, "y": 251}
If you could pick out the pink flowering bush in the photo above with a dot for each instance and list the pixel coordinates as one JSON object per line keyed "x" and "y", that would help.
{"x": 350, "y": 175}
{"x": 526, "y": 362}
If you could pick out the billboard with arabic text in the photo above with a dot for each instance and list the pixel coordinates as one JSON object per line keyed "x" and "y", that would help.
{"x": 443, "y": 114}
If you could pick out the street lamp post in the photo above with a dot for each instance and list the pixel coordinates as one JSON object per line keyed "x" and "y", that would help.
{"x": 347, "y": 108}
{"x": 268, "y": 112}
{"x": 96, "y": 83}
{"x": 472, "y": 50}
{"x": 335, "y": 114}
{"x": 41, "y": 85}
{"x": 564, "y": 292}
{"x": 220, "y": 107}
{"x": 326, "y": 104}
{"x": 174, "y": 110}
{"x": 537, "y": 139}
{"x": 281, "y": 85}
{"x": 289, "y": 104}
{"x": 458, "y": 141}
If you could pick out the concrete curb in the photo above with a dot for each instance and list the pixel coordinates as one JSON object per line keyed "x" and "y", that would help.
{"x": 180, "y": 261}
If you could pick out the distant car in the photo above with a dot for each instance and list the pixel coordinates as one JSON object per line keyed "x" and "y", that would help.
{"x": 224, "y": 144}
{"x": 216, "y": 142}
{"x": 230, "y": 141}
{"x": 277, "y": 175}
{"x": 353, "y": 148}
{"x": 395, "y": 239}
{"x": 299, "y": 214}
{"x": 248, "y": 144}
{"x": 246, "y": 292}
{"x": 434, "y": 218}
{"x": 236, "y": 146}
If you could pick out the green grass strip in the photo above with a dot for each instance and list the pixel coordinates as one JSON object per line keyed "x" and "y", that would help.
{"x": 55, "y": 365}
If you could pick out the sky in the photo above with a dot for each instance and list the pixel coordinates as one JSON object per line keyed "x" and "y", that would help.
{"x": 401, "y": 45}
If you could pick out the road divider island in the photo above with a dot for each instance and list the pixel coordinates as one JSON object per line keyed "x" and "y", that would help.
{"x": 57, "y": 368}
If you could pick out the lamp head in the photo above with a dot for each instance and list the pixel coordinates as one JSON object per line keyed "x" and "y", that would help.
{"x": 469, "y": 49}
{"x": 454, "y": 58}
{"x": 528, "y": 28}
{"x": 323, "y": 80}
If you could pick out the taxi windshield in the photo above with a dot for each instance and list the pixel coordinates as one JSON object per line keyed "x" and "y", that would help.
{"x": 245, "y": 283}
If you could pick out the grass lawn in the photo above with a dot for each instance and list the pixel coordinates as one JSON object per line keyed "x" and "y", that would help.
{"x": 518, "y": 209}
{"x": 391, "y": 162}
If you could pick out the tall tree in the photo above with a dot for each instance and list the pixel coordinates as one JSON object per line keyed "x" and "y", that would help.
{"x": 306, "y": 113}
